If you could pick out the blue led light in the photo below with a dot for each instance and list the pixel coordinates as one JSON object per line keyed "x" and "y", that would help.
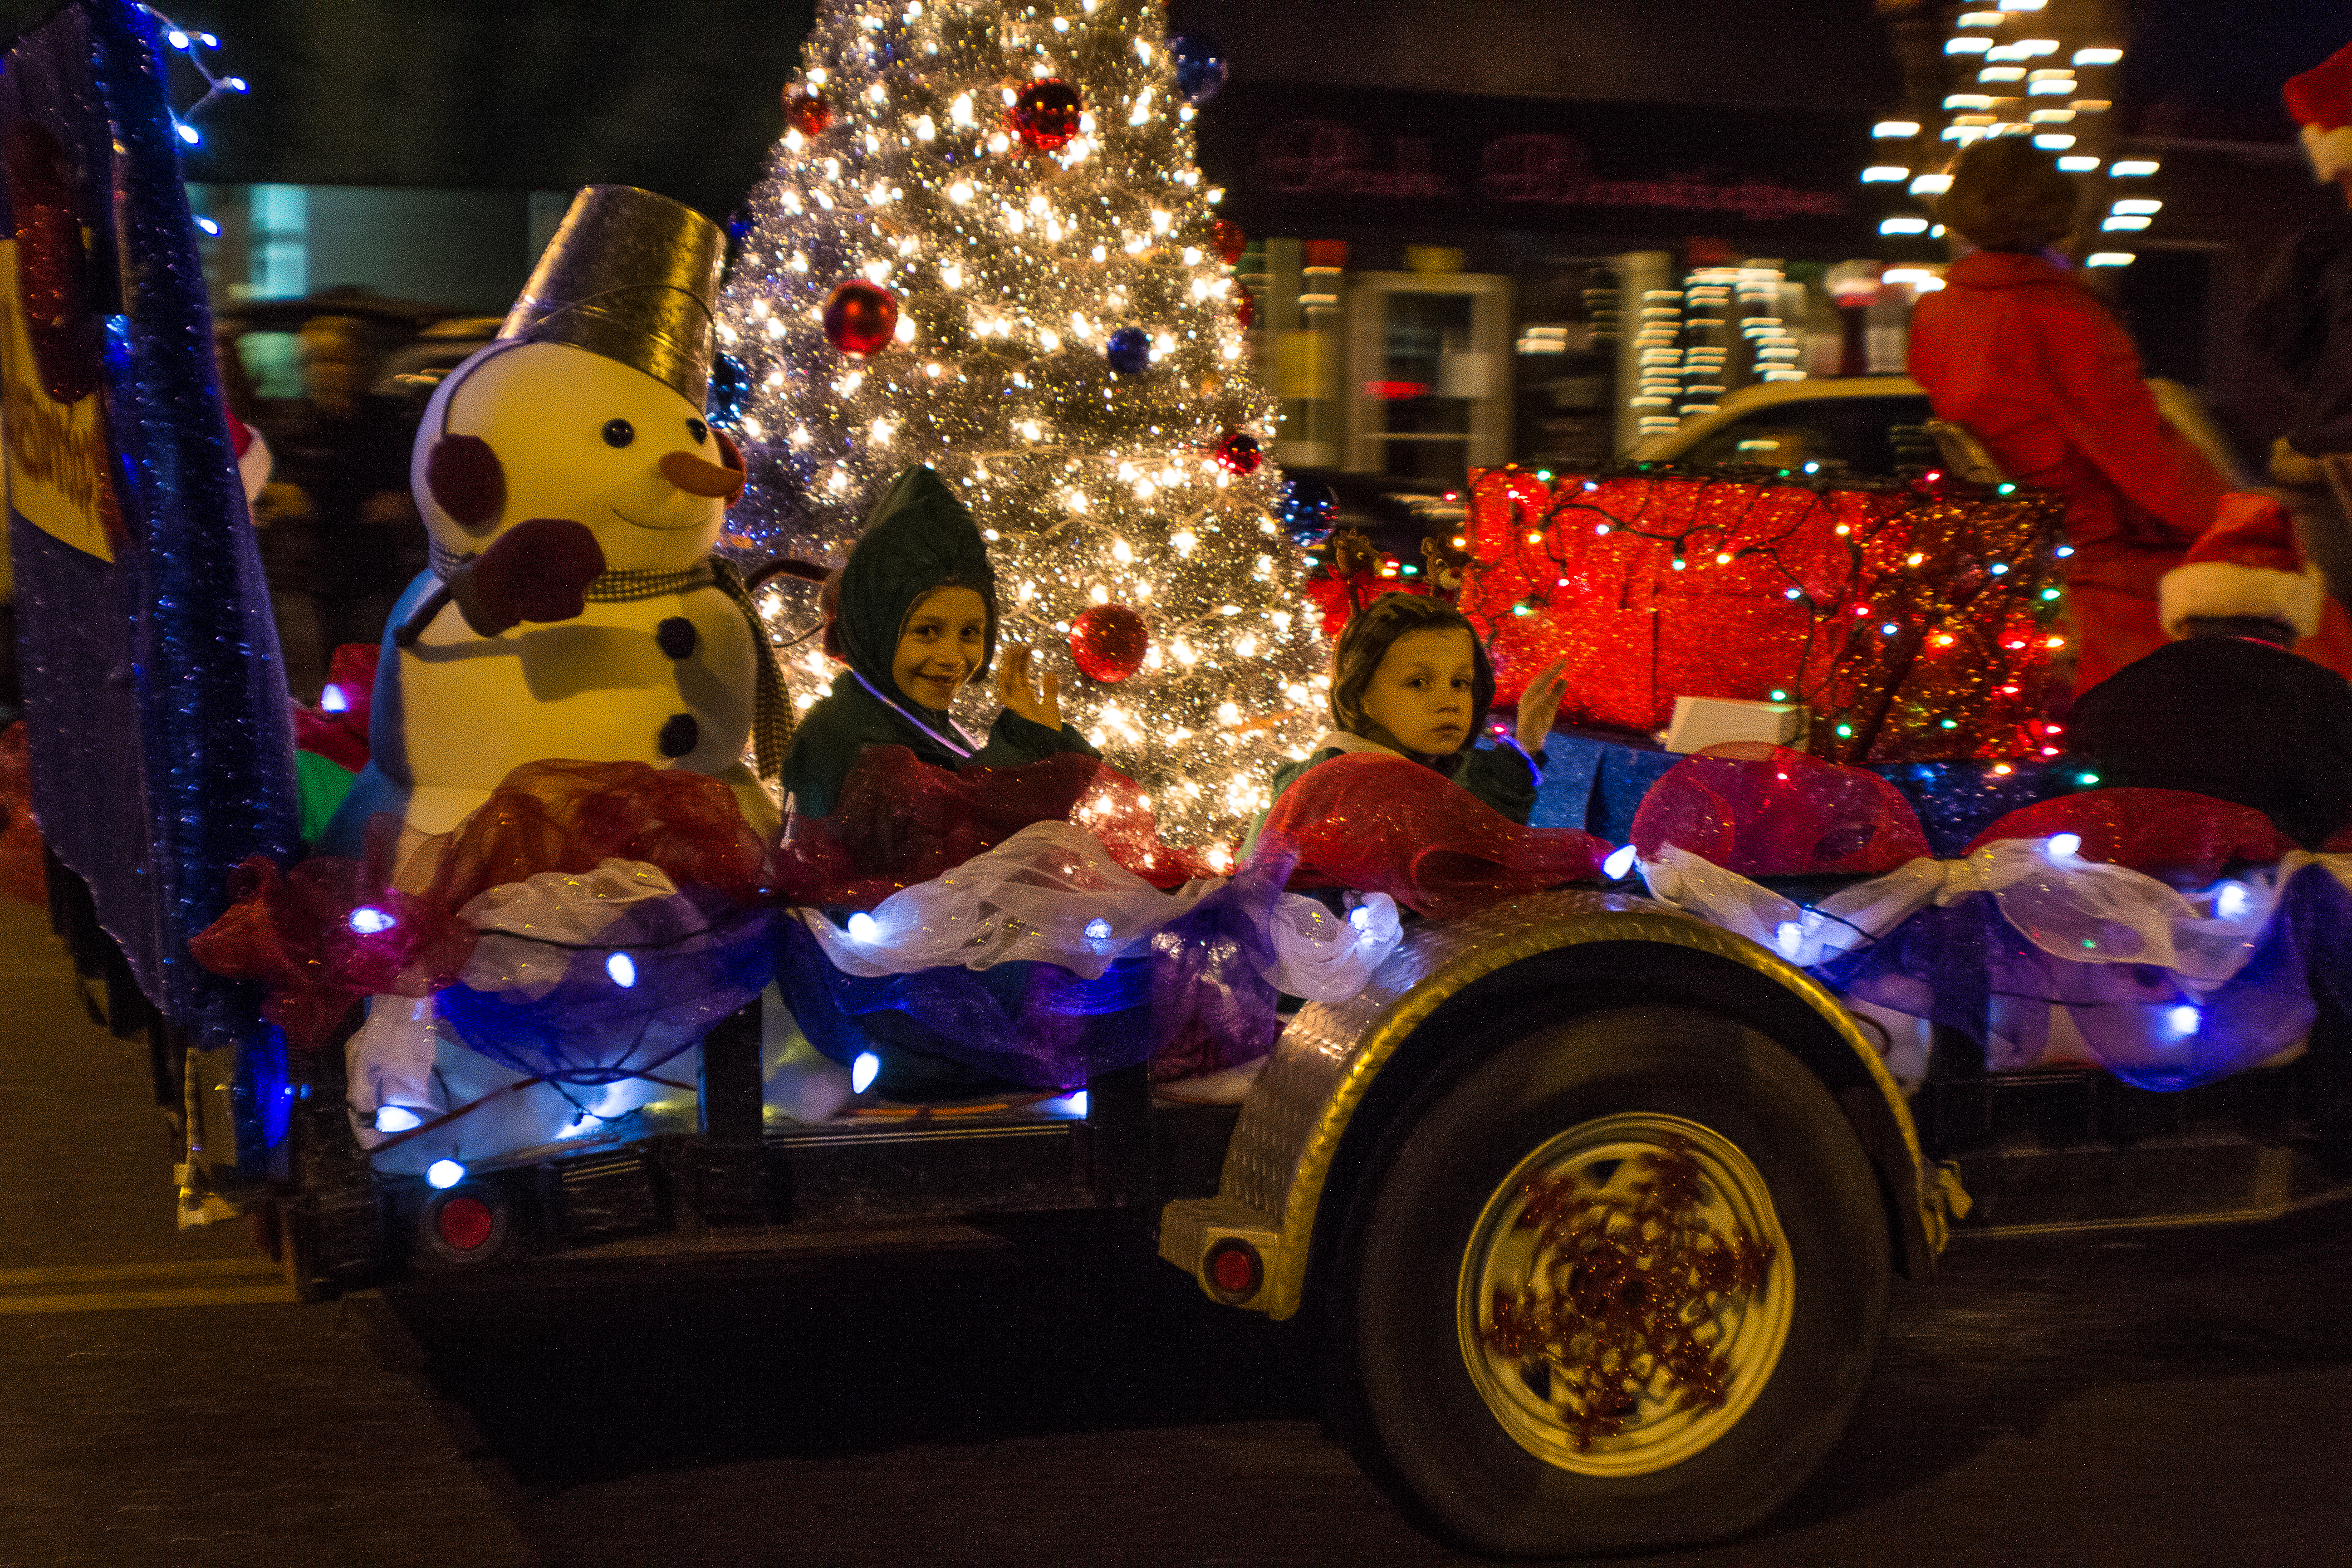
{"x": 1098, "y": 930}
{"x": 368, "y": 920}
{"x": 863, "y": 1071}
{"x": 396, "y": 1118}
{"x": 2184, "y": 1019}
{"x": 442, "y": 1174}
{"x": 623, "y": 969}
{"x": 1619, "y": 864}
{"x": 864, "y": 927}
{"x": 2063, "y": 845}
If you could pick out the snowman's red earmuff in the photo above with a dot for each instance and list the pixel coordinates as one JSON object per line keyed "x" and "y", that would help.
{"x": 462, "y": 473}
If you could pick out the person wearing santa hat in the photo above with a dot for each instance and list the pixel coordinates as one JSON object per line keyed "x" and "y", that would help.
{"x": 2227, "y": 711}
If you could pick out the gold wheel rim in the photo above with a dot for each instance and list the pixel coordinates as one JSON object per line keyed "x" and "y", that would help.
{"x": 1625, "y": 1294}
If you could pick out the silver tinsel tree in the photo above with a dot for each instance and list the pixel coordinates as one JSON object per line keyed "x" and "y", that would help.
{"x": 1068, "y": 352}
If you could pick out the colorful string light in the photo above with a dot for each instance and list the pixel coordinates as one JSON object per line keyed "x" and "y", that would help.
{"x": 1910, "y": 618}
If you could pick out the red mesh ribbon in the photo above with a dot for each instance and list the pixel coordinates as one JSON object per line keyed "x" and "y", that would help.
{"x": 296, "y": 929}
{"x": 1384, "y": 825}
{"x": 342, "y": 737}
{"x": 901, "y": 821}
{"x": 2169, "y": 833}
{"x": 1767, "y": 811}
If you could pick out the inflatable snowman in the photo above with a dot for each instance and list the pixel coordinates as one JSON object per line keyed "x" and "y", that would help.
{"x": 573, "y": 494}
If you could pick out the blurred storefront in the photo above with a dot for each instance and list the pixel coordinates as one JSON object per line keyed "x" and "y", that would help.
{"x": 1448, "y": 282}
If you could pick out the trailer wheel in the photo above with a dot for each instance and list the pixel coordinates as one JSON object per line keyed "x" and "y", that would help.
{"x": 1617, "y": 1288}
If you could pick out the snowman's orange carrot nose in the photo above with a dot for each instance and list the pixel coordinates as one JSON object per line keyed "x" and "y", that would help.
{"x": 696, "y": 478}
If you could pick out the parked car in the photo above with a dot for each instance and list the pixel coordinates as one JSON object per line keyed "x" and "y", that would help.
{"x": 1876, "y": 427}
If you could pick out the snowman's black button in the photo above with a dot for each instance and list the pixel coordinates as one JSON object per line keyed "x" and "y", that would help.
{"x": 679, "y": 735}
{"x": 676, "y": 637}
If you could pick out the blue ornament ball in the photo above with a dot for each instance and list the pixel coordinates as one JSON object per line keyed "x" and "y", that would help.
{"x": 1128, "y": 350}
{"x": 731, "y": 389}
{"x": 1308, "y": 509}
{"x": 1200, "y": 67}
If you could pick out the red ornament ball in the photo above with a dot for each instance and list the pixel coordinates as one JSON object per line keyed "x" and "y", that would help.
{"x": 861, "y": 318}
{"x": 1047, "y": 113}
{"x": 1225, "y": 237}
{"x": 806, "y": 111}
{"x": 1108, "y": 642}
{"x": 1245, "y": 308}
{"x": 1238, "y": 453}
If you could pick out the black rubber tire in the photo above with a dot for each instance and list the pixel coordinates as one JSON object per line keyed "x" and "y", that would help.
{"x": 1403, "y": 1378}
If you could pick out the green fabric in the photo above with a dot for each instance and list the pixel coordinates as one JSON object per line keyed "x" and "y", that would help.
{"x": 919, "y": 536}
{"x": 320, "y": 783}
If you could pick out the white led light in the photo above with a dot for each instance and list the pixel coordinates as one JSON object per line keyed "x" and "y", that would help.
{"x": 1619, "y": 864}
{"x": 1098, "y": 930}
{"x": 2055, "y": 141}
{"x": 2062, "y": 846}
{"x": 2078, "y": 163}
{"x": 623, "y": 969}
{"x": 2108, "y": 259}
{"x": 2184, "y": 1019}
{"x": 1903, "y": 225}
{"x": 2140, "y": 205}
{"x": 2097, "y": 57}
{"x": 864, "y": 927}
{"x": 2127, "y": 221}
{"x": 1967, "y": 46}
{"x": 1882, "y": 173}
{"x": 442, "y": 1174}
{"x": 863, "y": 1071}
{"x": 1895, "y": 129}
{"x": 368, "y": 920}
{"x": 2133, "y": 168}
{"x": 396, "y": 1118}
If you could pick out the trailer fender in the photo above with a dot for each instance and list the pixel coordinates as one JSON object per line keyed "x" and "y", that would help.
{"x": 1251, "y": 1245}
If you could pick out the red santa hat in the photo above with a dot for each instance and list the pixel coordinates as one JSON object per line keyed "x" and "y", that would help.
{"x": 2321, "y": 102}
{"x": 2247, "y": 563}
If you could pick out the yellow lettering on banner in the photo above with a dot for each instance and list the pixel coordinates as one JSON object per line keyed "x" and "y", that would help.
{"x": 57, "y": 454}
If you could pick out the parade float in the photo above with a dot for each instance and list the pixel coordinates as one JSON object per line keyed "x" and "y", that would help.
{"x": 1595, "y": 1143}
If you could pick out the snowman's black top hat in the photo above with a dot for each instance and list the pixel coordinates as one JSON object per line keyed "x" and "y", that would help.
{"x": 629, "y": 274}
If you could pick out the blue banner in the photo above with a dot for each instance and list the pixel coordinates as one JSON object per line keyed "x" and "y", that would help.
{"x": 162, "y": 740}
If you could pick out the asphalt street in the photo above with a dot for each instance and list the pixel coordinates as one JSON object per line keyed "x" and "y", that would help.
{"x": 2153, "y": 1398}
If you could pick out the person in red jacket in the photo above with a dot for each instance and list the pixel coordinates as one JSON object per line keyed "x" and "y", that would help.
{"x": 2015, "y": 349}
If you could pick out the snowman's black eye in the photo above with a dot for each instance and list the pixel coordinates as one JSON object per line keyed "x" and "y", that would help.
{"x": 619, "y": 432}
{"x": 698, "y": 430}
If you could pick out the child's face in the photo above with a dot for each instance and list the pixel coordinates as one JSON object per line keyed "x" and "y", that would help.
{"x": 1421, "y": 692}
{"x": 940, "y": 645}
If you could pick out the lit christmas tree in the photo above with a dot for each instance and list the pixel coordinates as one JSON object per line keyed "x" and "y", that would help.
{"x": 984, "y": 246}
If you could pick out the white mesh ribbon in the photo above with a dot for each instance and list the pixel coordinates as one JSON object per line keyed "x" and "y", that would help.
{"x": 2090, "y": 913}
{"x": 2084, "y": 911}
{"x": 530, "y": 928}
{"x": 1052, "y": 894}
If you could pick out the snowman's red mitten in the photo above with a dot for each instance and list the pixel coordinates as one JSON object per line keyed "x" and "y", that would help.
{"x": 539, "y": 569}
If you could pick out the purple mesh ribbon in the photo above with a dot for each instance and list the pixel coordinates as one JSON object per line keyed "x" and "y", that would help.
{"x": 691, "y": 959}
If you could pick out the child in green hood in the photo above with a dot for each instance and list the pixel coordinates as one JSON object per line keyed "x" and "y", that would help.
{"x": 914, "y": 617}
{"x": 1410, "y": 678}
